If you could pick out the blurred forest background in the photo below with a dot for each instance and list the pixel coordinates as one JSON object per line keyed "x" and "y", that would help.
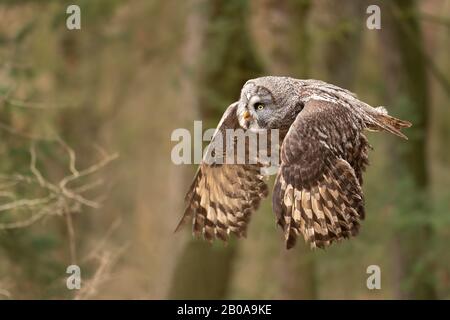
{"x": 85, "y": 122}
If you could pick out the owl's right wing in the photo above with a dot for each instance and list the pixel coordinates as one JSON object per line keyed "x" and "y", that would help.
{"x": 222, "y": 197}
{"x": 317, "y": 192}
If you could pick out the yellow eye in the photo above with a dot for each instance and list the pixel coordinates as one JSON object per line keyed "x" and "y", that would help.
{"x": 259, "y": 106}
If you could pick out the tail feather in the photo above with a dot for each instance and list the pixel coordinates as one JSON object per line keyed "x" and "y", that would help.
{"x": 383, "y": 121}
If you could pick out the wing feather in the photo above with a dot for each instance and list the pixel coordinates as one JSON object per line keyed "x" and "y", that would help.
{"x": 317, "y": 192}
{"x": 222, "y": 197}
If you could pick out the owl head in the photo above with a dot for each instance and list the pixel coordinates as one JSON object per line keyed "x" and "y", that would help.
{"x": 268, "y": 103}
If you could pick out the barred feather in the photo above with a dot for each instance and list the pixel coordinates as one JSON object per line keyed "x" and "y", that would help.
{"x": 222, "y": 197}
{"x": 319, "y": 189}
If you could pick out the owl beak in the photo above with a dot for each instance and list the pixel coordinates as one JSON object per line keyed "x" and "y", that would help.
{"x": 246, "y": 115}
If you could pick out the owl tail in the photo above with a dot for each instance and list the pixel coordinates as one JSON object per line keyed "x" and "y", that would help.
{"x": 383, "y": 121}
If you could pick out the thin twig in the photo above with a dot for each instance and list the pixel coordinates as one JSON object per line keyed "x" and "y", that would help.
{"x": 25, "y": 223}
{"x": 60, "y": 199}
{"x": 71, "y": 236}
{"x": 106, "y": 259}
{"x": 28, "y": 203}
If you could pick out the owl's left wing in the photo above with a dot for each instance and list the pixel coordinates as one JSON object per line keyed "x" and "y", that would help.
{"x": 317, "y": 192}
{"x": 222, "y": 196}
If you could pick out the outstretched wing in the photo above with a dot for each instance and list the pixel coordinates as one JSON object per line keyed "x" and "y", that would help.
{"x": 222, "y": 197}
{"x": 317, "y": 191}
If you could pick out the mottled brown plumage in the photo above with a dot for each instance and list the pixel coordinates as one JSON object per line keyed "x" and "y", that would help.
{"x": 317, "y": 192}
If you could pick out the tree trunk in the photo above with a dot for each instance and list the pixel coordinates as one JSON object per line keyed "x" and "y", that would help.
{"x": 407, "y": 88}
{"x": 281, "y": 30}
{"x": 343, "y": 46}
{"x": 204, "y": 271}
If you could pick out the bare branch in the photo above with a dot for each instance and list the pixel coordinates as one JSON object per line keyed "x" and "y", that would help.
{"x": 72, "y": 156}
{"x": 59, "y": 198}
{"x": 25, "y": 223}
{"x": 106, "y": 261}
{"x": 28, "y": 203}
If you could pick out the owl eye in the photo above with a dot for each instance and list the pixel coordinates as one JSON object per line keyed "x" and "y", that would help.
{"x": 259, "y": 106}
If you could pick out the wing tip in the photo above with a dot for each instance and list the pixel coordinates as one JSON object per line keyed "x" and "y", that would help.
{"x": 392, "y": 124}
{"x": 179, "y": 225}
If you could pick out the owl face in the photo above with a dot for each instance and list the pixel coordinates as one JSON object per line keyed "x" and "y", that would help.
{"x": 257, "y": 108}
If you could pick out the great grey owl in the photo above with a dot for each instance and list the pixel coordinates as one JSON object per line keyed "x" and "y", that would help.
{"x": 317, "y": 191}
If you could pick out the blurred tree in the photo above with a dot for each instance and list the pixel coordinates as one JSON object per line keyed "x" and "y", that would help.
{"x": 346, "y": 23}
{"x": 408, "y": 90}
{"x": 282, "y": 32}
{"x": 101, "y": 84}
{"x": 204, "y": 271}
{"x": 284, "y": 41}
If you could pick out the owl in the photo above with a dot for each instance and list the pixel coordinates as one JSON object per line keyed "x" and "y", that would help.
{"x": 323, "y": 153}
